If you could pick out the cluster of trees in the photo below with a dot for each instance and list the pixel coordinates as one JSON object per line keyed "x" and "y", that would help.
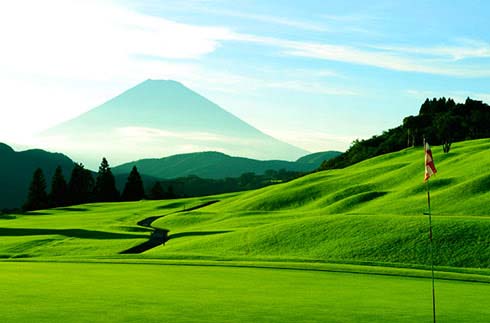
{"x": 84, "y": 188}
{"x": 81, "y": 188}
{"x": 195, "y": 186}
{"x": 440, "y": 121}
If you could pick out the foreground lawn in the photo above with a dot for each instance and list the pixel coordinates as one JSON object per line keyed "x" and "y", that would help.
{"x": 71, "y": 292}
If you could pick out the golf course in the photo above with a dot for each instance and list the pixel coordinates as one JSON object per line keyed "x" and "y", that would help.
{"x": 344, "y": 245}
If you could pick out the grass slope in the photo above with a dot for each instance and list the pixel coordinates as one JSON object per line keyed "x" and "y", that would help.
{"x": 233, "y": 260}
{"x": 388, "y": 184}
{"x": 368, "y": 213}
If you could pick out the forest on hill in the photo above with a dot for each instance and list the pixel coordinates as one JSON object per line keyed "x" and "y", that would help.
{"x": 439, "y": 121}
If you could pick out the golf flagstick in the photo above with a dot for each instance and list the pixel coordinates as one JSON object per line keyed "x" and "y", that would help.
{"x": 430, "y": 170}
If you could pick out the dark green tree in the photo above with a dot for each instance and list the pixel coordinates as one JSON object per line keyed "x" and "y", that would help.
{"x": 133, "y": 190}
{"x": 59, "y": 189}
{"x": 37, "y": 198}
{"x": 81, "y": 185}
{"x": 105, "y": 184}
{"x": 170, "y": 192}
{"x": 157, "y": 192}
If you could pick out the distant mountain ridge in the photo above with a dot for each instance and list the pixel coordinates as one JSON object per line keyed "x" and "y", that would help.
{"x": 319, "y": 157}
{"x": 216, "y": 165}
{"x": 16, "y": 169}
{"x": 161, "y": 118}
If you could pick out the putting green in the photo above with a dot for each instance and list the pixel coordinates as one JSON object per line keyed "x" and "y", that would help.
{"x": 81, "y": 292}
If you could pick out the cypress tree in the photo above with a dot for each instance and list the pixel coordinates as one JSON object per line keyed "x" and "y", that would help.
{"x": 156, "y": 192}
{"x": 37, "y": 198}
{"x": 133, "y": 190}
{"x": 105, "y": 184}
{"x": 59, "y": 189}
{"x": 81, "y": 185}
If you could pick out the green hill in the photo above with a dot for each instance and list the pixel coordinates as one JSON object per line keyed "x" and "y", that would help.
{"x": 16, "y": 169}
{"x": 388, "y": 184}
{"x": 319, "y": 157}
{"x": 216, "y": 165}
{"x": 369, "y": 213}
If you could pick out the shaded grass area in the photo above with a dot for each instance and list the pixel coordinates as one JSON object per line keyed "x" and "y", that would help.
{"x": 74, "y": 233}
{"x": 46, "y": 292}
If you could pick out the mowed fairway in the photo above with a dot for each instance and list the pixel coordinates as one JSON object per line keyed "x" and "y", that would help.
{"x": 356, "y": 238}
{"x": 65, "y": 292}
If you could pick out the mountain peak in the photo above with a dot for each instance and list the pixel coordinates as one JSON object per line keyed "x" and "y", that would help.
{"x": 159, "y": 118}
{"x": 159, "y": 82}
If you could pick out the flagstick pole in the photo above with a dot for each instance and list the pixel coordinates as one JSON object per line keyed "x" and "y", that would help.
{"x": 431, "y": 255}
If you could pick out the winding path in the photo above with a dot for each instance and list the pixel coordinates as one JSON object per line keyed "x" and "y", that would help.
{"x": 159, "y": 236}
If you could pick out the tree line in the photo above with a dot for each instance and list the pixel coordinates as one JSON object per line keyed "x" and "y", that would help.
{"x": 81, "y": 188}
{"x": 192, "y": 185}
{"x": 439, "y": 121}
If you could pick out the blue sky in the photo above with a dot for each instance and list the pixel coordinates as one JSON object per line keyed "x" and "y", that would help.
{"x": 317, "y": 74}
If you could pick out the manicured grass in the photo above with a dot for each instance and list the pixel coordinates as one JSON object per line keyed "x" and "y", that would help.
{"x": 233, "y": 260}
{"x": 97, "y": 230}
{"x": 388, "y": 184}
{"x": 371, "y": 212}
{"x": 48, "y": 292}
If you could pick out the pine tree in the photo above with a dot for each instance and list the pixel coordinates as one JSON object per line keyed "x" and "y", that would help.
{"x": 170, "y": 192}
{"x": 37, "y": 198}
{"x": 133, "y": 190}
{"x": 81, "y": 185}
{"x": 105, "y": 184}
{"x": 59, "y": 189}
{"x": 156, "y": 192}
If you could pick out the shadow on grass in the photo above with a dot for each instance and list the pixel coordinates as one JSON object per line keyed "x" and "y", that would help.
{"x": 74, "y": 233}
{"x": 170, "y": 206}
{"x": 199, "y": 206}
{"x": 7, "y": 217}
{"x": 193, "y": 234}
{"x": 74, "y": 209}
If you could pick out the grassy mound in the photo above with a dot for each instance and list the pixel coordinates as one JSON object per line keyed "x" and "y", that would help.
{"x": 388, "y": 184}
{"x": 371, "y": 212}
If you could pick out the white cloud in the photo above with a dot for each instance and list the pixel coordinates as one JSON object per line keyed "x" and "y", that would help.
{"x": 290, "y": 80}
{"x": 385, "y": 57}
{"x": 93, "y": 40}
{"x": 141, "y": 134}
{"x": 59, "y": 58}
{"x": 269, "y": 19}
{"x": 314, "y": 140}
{"x": 464, "y": 50}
